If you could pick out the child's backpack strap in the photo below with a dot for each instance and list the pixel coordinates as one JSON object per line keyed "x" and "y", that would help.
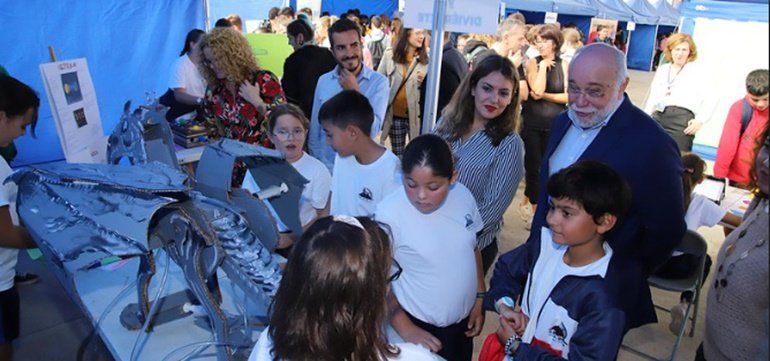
{"x": 745, "y": 115}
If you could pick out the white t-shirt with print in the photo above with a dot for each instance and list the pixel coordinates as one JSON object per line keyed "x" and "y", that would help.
{"x": 358, "y": 188}
{"x": 8, "y": 256}
{"x": 436, "y": 252}
{"x": 185, "y": 75}
{"x": 409, "y": 352}
{"x": 316, "y": 191}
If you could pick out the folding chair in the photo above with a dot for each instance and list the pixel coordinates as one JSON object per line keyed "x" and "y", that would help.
{"x": 692, "y": 244}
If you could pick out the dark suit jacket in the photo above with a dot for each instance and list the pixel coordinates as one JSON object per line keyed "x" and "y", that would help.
{"x": 301, "y": 72}
{"x": 638, "y": 148}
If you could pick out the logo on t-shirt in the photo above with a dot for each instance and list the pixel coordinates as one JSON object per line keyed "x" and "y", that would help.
{"x": 558, "y": 334}
{"x": 468, "y": 221}
{"x": 366, "y": 194}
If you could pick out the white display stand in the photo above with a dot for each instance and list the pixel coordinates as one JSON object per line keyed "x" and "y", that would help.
{"x": 99, "y": 287}
{"x": 72, "y": 97}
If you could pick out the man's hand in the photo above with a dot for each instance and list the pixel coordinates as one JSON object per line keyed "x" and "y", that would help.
{"x": 348, "y": 80}
{"x": 476, "y": 320}
{"x": 693, "y": 126}
{"x": 251, "y": 93}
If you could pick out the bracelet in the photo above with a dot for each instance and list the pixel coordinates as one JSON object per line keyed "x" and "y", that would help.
{"x": 512, "y": 344}
{"x": 481, "y": 295}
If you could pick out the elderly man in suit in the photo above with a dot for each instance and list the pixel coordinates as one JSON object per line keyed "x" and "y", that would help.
{"x": 601, "y": 124}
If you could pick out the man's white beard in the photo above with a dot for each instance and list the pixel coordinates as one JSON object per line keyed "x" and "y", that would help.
{"x": 599, "y": 114}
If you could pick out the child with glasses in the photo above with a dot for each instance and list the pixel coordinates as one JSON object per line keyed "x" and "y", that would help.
{"x": 434, "y": 221}
{"x": 287, "y": 127}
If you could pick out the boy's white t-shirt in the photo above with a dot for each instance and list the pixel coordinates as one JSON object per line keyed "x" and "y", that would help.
{"x": 185, "y": 75}
{"x": 8, "y": 256}
{"x": 703, "y": 212}
{"x": 358, "y": 188}
{"x": 262, "y": 351}
{"x": 316, "y": 191}
{"x": 549, "y": 269}
{"x": 436, "y": 252}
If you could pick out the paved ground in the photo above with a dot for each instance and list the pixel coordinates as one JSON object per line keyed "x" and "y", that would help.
{"x": 53, "y": 328}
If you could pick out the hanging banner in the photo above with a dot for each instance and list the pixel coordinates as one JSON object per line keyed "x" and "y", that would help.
{"x": 71, "y": 95}
{"x": 550, "y": 18}
{"x": 462, "y": 16}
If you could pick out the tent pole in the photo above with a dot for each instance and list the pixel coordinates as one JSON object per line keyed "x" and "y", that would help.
{"x": 206, "y": 15}
{"x": 434, "y": 67}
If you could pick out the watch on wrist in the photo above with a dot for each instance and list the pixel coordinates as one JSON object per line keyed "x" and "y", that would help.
{"x": 512, "y": 345}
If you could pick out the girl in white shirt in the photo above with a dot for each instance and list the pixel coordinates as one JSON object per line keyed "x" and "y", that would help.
{"x": 287, "y": 126}
{"x": 433, "y": 222}
{"x": 18, "y": 110}
{"x": 331, "y": 304}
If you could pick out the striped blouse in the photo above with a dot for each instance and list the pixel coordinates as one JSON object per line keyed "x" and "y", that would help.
{"x": 492, "y": 174}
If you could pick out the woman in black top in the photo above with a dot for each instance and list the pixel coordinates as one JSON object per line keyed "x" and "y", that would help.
{"x": 547, "y": 79}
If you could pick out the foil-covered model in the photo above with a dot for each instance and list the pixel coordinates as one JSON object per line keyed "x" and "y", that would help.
{"x": 76, "y": 212}
{"x": 142, "y": 136}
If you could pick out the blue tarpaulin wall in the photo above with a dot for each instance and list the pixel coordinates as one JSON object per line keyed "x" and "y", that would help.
{"x": 641, "y": 47}
{"x": 756, "y": 10}
{"x": 130, "y": 47}
{"x": 246, "y": 9}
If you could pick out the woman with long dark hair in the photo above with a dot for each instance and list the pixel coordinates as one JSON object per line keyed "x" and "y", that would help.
{"x": 405, "y": 66}
{"x": 480, "y": 124}
{"x": 331, "y": 303}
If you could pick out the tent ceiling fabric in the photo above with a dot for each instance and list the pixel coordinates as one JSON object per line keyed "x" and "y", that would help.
{"x": 644, "y": 9}
{"x": 571, "y": 7}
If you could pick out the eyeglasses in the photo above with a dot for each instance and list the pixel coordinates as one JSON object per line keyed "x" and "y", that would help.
{"x": 396, "y": 271}
{"x": 541, "y": 41}
{"x": 590, "y": 92}
{"x": 284, "y": 134}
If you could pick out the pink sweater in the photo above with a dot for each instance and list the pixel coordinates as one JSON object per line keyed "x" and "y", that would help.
{"x": 736, "y": 153}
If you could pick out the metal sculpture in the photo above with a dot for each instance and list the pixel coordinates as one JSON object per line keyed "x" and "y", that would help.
{"x": 77, "y": 213}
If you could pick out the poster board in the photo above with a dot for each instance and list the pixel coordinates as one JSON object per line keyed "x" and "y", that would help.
{"x": 71, "y": 94}
{"x": 271, "y": 51}
{"x": 607, "y": 23}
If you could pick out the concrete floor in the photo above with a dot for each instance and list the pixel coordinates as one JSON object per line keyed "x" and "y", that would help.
{"x": 53, "y": 328}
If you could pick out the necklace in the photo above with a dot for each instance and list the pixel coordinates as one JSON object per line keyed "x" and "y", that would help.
{"x": 671, "y": 80}
{"x": 725, "y": 270}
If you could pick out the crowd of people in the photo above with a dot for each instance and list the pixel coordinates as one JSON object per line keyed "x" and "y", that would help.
{"x": 402, "y": 223}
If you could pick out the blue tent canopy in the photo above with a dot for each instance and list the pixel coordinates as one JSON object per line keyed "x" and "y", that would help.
{"x": 379, "y": 7}
{"x": 669, "y": 14}
{"x": 647, "y": 13}
{"x": 613, "y": 10}
{"x": 729, "y": 10}
{"x": 578, "y": 12}
{"x": 641, "y": 46}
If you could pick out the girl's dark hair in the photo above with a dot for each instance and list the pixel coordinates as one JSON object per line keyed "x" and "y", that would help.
{"x": 192, "y": 37}
{"x": 285, "y": 109}
{"x": 458, "y": 114}
{"x": 431, "y": 151}
{"x": 694, "y": 169}
{"x": 16, "y": 98}
{"x": 331, "y": 304}
{"x": 595, "y": 186}
{"x": 400, "y": 50}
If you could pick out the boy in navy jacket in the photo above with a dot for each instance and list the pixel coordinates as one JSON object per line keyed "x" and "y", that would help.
{"x": 566, "y": 311}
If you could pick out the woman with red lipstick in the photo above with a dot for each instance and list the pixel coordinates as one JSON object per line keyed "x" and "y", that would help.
{"x": 677, "y": 92}
{"x": 480, "y": 125}
{"x": 547, "y": 79}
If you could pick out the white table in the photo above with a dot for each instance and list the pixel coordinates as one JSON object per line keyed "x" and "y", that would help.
{"x": 99, "y": 287}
